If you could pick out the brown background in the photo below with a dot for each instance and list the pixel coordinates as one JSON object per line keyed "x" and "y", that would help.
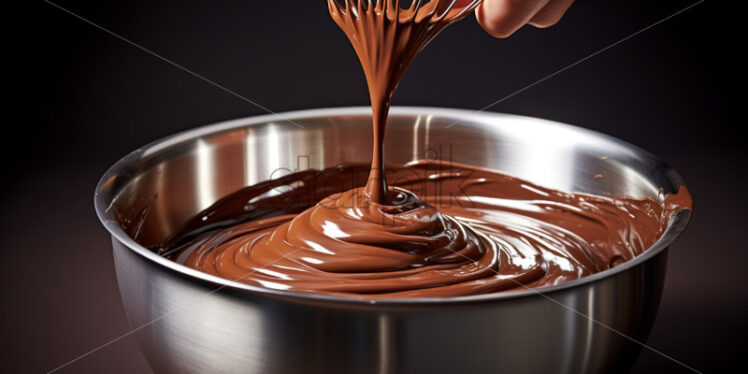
{"x": 673, "y": 90}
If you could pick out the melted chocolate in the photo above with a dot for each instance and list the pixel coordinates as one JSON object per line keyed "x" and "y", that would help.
{"x": 438, "y": 230}
{"x": 386, "y": 39}
{"x": 472, "y": 231}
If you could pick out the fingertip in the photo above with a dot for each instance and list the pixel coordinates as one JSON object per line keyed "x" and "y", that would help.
{"x": 496, "y": 17}
{"x": 551, "y": 14}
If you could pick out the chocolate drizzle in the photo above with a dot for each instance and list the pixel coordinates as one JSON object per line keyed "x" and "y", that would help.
{"x": 386, "y": 39}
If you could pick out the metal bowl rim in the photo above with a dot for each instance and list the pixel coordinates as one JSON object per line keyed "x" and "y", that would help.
{"x": 675, "y": 228}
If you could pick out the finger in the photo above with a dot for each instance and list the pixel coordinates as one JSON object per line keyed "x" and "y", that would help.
{"x": 502, "y": 18}
{"x": 551, "y": 13}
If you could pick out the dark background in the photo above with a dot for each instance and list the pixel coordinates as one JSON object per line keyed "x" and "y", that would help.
{"x": 90, "y": 98}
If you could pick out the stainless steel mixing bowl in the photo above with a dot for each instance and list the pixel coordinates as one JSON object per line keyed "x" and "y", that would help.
{"x": 190, "y": 322}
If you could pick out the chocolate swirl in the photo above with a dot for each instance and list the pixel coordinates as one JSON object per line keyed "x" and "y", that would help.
{"x": 491, "y": 232}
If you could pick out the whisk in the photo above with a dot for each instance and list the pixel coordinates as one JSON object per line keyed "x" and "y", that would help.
{"x": 418, "y": 10}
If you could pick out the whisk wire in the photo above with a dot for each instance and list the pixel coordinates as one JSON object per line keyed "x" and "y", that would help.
{"x": 436, "y": 12}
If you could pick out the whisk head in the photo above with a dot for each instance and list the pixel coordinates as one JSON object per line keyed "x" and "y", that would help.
{"x": 413, "y": 10}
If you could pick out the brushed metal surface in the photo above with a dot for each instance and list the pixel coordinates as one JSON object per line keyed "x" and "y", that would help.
{"x": 196, "y": 323}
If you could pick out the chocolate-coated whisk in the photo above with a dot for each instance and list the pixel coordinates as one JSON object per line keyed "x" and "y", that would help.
{"x": 436, "y": 10}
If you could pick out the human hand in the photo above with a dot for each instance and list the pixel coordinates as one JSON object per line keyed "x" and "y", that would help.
{"x": 501, "y": 18}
